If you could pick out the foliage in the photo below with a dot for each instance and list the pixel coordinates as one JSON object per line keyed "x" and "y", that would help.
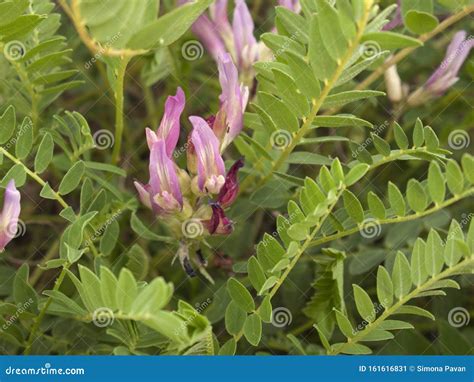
{"x": 353, "y": 220}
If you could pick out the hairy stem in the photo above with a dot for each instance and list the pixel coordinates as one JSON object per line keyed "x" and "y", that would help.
{"x": 118, "y": 93}
{"x": 42, "y": 313}
{"x": 391, "y": 310}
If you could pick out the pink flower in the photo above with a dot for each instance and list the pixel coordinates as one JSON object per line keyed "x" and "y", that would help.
{"x": 163, "y": 193}
{"x": 230, "y": 190}
{"x": 169, "y": 125}
{"x": 234, "y": 97}
{"x": 210, "y": 165}
{"x": 246, "y": 47}
{"x": 219, "y": 224}
{"x": 9, "y": 215}
{"x": 292, "y": 5}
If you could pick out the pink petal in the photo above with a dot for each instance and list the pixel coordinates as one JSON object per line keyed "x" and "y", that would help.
{"x": 170, "y": 126}
{"x": 207, "y": 32}
{"x": 9, "y": 215}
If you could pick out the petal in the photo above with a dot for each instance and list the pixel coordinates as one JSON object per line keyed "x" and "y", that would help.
{"x": 10, "y": 213}
{"x": 219, "y": 224}
{"x": 218, "y": 12}
{"x": 206, "y": 145}
{"x": 243, "y": 26}
{"x": 163, "y": 177}
{"x": 143, "y": 193}
{"x": 170, "y": 126}
{"x": 207, "y": 32}
{"x": 230, "y": 189}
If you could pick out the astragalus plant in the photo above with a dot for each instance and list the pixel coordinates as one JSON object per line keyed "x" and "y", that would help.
{"x": 231, "y": 177}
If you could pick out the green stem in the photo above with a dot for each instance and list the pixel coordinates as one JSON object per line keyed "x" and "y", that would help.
{"x": 316, "y": 105}
{"x": 118, "y": 93}
{"x": 400, "y": 219}
{"x": 42, "y": 313}
{"x": 389, "y": 311}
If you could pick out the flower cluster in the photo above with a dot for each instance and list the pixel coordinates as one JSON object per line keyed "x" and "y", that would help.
{"x": 9, "y": 215}
{"x": 203, "y": 191}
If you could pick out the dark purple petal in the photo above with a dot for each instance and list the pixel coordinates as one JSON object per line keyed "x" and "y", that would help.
{"x": 230, "y": 189}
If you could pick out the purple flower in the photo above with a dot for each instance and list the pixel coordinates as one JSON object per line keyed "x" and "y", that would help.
{"x": 163, "y": 193}
{"x": 292, "y": 5}
{"x": 169, "y": 125}
{"x": 219, "y": 224}
{"x": 210, "y": 165}
{"x": 397, "y": 19}
{"x": 219, "y": 36}
{"x": 230, "y": 190}
{"x": 234, "y": 97}
{"x": 445, "y": 75}
{"x": 9, "y": 215}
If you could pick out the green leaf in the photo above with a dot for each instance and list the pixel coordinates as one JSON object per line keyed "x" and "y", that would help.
{"x": 353, "y": 207}
{"x": 270, "y": 282}
{"x": 416, "y": 196}
{"x": 415, "y": 310}
{"x": 376, "y": 206}
{"x": 256, "y": 273}
{"x": 380, "y": 145}
{"x": 395, "y": 325}
{"x": 401, "y": 276}
{"x": 44, "y": 155}
{"x": 344, "y": 324}
{"x": 400, "y": 137}
{"x": 234, "y": 319}
{"x": 434, "y": 253}
{"x": 23, "y": 293}
{"x": 418, "y": 134}
{"x": 391, "y": 40}
{"x": 110, "y": 237}
{"x": 7, "y": 124}
{"x": 228, "y": 348}
{"x": 253, "y": 329}
{"x": 467, "y": 162}
{"x": 283, "y": 117}
{"x": 384, "y": 287}
{"x": 308, "y": 159}
{"x": 168, "y": 28}
{"x": 265, "y": 310}
{"x": 303, "y": 75}
{"x": 436, "y": 183}
{"x": 72, "y": 178}
{"x": 18, "y": 173}
{"x": 356, "y": 173}
{"x": 454, "y": 177}
{"x": 418, "y": 263}
{"x": 240, "y": 295}
{"x": 352, "y": 348}
{"x": 24, "y": 139}
{"x": 126, "y": 292}
{"x": 420, "y": 22}
{"x": 340, "y": 121}
{"x": 141, "y": 229}
{"x": 452, "y": 254}
{"x": 378, "y": 335}
{"x": 364, "y": 304}
{"x": 396, "y": 199}
{"x": 343, "y": 98}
